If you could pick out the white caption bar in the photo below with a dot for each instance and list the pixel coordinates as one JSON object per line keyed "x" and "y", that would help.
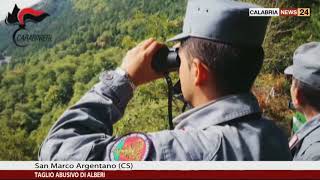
{"x": 184, "y": 165}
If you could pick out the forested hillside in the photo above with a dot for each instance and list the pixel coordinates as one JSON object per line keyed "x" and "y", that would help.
{"x": 42, "y": 80}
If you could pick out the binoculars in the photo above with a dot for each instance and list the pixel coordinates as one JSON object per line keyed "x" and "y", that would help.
{"x": 166, "y": 60}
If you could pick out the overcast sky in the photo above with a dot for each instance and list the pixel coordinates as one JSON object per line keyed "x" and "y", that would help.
{"x": 8, "y": 5}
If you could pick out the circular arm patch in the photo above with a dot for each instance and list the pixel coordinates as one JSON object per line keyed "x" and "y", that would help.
{"x": 131, "y": 147}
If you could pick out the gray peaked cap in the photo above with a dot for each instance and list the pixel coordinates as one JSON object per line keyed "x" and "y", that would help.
{"x": 306, "y": 64}
{"x": 224, "y": 21}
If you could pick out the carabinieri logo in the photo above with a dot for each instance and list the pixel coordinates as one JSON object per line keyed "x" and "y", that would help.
{"x": 21, "y": 17}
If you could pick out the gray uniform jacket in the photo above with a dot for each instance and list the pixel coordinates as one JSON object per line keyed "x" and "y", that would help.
{"x": 305, "y": 144}
{"x": 230, "y": 128}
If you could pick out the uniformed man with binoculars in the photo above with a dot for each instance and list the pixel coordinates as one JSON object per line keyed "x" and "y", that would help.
{"x": 218, "y": 57}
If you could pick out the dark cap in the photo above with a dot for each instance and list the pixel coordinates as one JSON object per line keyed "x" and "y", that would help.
{"x": 223, "y": 21}
{"x": 306, "y": 64}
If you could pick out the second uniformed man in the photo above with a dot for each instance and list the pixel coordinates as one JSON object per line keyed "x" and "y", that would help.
{"x": 221, "y": 55}
{"x": 305, "y": 94}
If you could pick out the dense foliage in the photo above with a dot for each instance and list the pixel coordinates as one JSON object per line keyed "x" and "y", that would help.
{"x": 42, "y": 80}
